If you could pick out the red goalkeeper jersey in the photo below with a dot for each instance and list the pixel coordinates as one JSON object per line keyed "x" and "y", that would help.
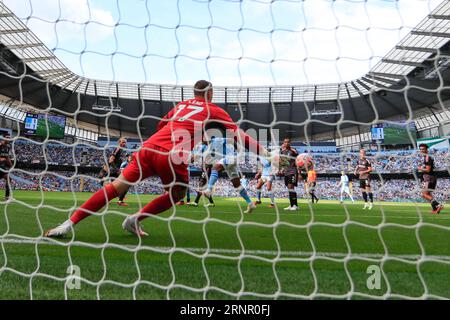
{"x": 182, "y": 126}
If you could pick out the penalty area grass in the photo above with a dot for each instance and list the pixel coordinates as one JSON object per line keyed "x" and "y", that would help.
{"x": 320, "y": 251}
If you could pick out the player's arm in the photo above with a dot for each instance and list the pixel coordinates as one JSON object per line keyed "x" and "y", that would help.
{"x": 244, "y": 139}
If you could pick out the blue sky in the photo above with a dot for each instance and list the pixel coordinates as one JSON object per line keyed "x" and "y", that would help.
{"x": 228, "y": 42}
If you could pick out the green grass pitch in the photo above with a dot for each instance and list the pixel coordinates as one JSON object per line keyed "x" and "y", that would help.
{"x": 193, "y": 253}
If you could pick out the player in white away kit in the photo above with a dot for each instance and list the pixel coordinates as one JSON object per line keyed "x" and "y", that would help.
{"x": 266, "y": 177}
{"x": 221, "y": 153}
{"x": 344, "y": 184}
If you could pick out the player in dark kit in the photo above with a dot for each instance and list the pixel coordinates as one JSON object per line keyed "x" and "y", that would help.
{"x": 429, "y": 179}
{"x": 5, "y": 164}
{"x": 290, "y": 173}
{"x": 363, "y": 170}
{"x": 114, "y": 167}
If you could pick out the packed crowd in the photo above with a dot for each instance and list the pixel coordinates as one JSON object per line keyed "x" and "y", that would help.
{"x": 85, "y": 155}
{"x": 387, "y": 190}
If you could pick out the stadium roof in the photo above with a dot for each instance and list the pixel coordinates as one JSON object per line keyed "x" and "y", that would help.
{"x": 418, "y": 63}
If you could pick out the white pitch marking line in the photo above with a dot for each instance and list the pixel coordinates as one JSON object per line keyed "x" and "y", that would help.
{"x": 283, "y": 254}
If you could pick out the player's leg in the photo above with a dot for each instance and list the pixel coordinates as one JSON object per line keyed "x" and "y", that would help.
{"x": 314, "y": 197}
{"x": 369, "y": 192}
{"x": 136, "y": 170}
{"x": 342, "y": 195}
{"x": 291, "y": 183}
{"x": 217, "y": 168}
{"x": 175, "y": 180}
{"x": 188, "y": 195}
{"x": 156, "y": 206}
{"x": 7, "y": 186}
{"x": 271, "y": 195}
{"x": 259, "y": 186}
{"x": 203, "y": 181}
{"x": 97, "y": 201}
{"x": 350, "y": 195}
{"x": 242, "y": 191}
{"x": 427, "y": 191}
{"x": 362, "y": 186}
{"x": 122, "y": 195}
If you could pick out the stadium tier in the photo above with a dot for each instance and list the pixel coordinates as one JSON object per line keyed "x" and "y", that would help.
{"x": 311, "y": 162}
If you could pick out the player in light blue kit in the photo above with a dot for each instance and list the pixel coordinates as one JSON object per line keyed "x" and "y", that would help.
{"x": 244, "y": 182}
{"x": 221, "y": 153}
{"x": 344, "y": 184}
{"x": 266, "y": 177}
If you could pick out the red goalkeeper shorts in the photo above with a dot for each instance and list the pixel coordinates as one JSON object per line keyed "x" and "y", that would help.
{"x": 151, "y": 161}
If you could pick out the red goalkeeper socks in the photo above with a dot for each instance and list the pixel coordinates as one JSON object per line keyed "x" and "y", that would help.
{"x": 95, "y": 203}
{"x": 158, "y": 205}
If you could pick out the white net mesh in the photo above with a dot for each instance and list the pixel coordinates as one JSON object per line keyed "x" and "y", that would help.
{"x": 319, "y": 72}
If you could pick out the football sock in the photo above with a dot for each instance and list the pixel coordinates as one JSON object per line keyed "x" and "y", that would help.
{"x": 188, "y": 196}
{"x": 272, "y": 197}
{"x": 197, "y": 198}
{"x": 244, "y": 194}
{"x": 434, "y": 204}
{"x": 213, "y": 179}
{"x": 293, "y": 198}
{"x": 364, "y": 196}
{"x": 211, "y": 200}
{"x": 158, "y": 205}
{"x": 95, "y": 203}
{"x": 123, "y": 196}
{"x": 371, "y": 196}
{"x": 258, "y": 194}
{"x": 7, "y": 188}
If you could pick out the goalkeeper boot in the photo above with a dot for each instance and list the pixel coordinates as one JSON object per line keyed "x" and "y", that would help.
{"x": 210, "y": 205}
{"x": 251, "y": 206}
{"x": 60, "y": 231}
{"x": 288, "y": 208}
{"x": 258, "y": 202}
{"x": 131, "y": 224}
{"x": 272, "y": 205}
{"x": 192, "y": 204}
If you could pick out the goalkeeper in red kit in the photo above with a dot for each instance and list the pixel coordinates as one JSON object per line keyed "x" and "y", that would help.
{"x": 165, "y": 154}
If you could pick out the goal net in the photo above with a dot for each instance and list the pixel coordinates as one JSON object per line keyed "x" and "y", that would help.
{"x": 327, "y": 77}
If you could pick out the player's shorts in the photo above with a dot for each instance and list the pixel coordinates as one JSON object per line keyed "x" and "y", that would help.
{"x": 291, "y": 179}
{"x": 346, "y": 190}
{"x": 266, "y": 179}
{"x": 364, "y": 183}
{"x": 230, "y": 165}
{"x": 153, "y": 160}
{"x": 429, "y": 182}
